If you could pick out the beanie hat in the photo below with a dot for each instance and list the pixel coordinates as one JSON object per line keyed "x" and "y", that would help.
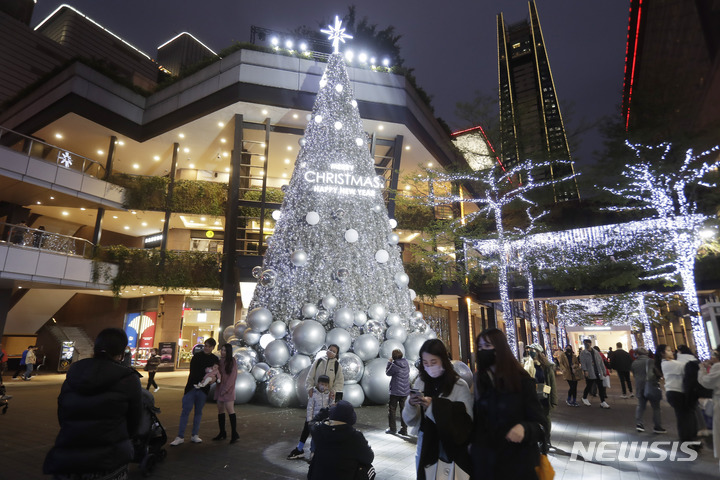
{"x": 343, "y": 411}
{"x": 536, "y": 346}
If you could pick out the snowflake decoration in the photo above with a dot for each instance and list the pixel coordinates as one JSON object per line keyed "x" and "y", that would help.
{"x": 65, "y": 159}
{"x": 336, "y": 34}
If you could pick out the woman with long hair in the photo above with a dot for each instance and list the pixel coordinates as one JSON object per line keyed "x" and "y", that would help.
{"x": 572, "y": 373}
{"x": 439, "y": 412}
{"x": 225, "y": 393}
{"x": 509, "y": 420}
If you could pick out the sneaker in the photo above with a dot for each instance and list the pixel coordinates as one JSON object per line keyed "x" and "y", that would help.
{"x": 575, "y": 404}
{"x": 390, "y": 432}
{"x": 403, "y": 432}
{"x": 586, "y": 402}
{"x": 659, "y": 430}
{"x": 158, "y": 388}
{"x": 604, "y": 405}
{"x": 296, "y": 454}
{"x": 704, "y": 433}
{"x": 569, "y": 403}
{"x": 177, "y": 441}
{"x": 623, "y": 396}
{"x": 196, "y": 439}
{"x": 639, "y": 427}
{"x": 632, "y": 395}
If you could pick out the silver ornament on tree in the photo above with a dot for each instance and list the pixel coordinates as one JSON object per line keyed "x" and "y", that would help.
{"x": 377, "y": 312}
{"x": 229, "y": 332}
{"x": 377, "y": 208}
{"x": 300, "y": 391}
{"x": 259, "y": 371}
{"x": 354, "y": 394}
{"x": 393, "y": 319}
{"x": 259, "y": 319}
{"x": 281, "y": 390}
{"x": 352, "y": 367}
{"x": 366, "y": 347}
{"x": 375, "y": 383}
{"x": 388, "y": 346}
{"x": 293, "y": 323}
{"x": 299, "y": 257}
{"x": 240, "y": 329}
{"x": 412, "y": 346}
{"x": 338, "y": 213}
{"x": 342, "y": 274}
{"x": 392, "y": 222}
{"x": 312, "y": 218}
{"x": 464, "y": 371}
{"x": 298, "y": 362}
{"x": 308, "y": 337}
{"x": 309, "y": 310}
{"x": 272, "y": 372}
{"x": 396, "y": 332}
{"x": 251, "y": 337}
{"x": 351, "y": 235}
{"x": 393, "y": 239}
{"x": 382, "y": 256}
{"x": 268, "y": 277}
{"x": 359, "y": 318}
{"x": 339, "y": 337}
{"x": 343, "y": 318}
{"x": 412, "y": 294}
{"x": 375, "y": 328}
{"x": 402, "y": 279}
{"x": 244, "y": 387}
{"x": 416, "y": 315}
{"x": 414, "y": 372}
{"x": 277, "y": 329}
{"x": 323, "y": 317}
{"x": 329, "y": 302}
{"x": 257, "y": 272}
{"x": 277, "y": 353}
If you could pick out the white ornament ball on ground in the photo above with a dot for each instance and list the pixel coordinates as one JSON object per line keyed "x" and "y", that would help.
{"x": 351, "y": 235}
{"x": 382, "y": 256}
{"x": 339, "y": 337}
{"x": 354, "y": 394}
{"x": 359, "y": 318}
{"x": 281, "y": 390}
{"x": 393, "y": 319}
{"x": 388, "y": 346}
{"x": 377, "y": 312}
{"x": 244, "y": 387}
{"x": 308, "y": 337}
{"x": 402, "y": 279}
{"x": 309, "y": 310}
{"x": 300, "y": 392}
{"x": 464, "y": 371}
{"x": 312, "y": 218}
{"x": 352, "y": 368}
{"x": 299, "y": 257}
{"x": 298, "y": 363}
{"x": 229, "y": 332}
{"x": 329, "y": 302}
{"x": 375, "y": 383}
{"x": 393, "y": 239}
{"x": 259, "y": 319}
{"x": 251, "y": 337}
{"x": 277, "y": 329}
{"x": 343, "y": 318}
{"x": 277, "y": 353}
{"x": 366, "y": 347}
{"x": 412, "y": 346}
{"x": 259, "y": 371}
{"x": 396, "y": 332}
{"x": 392, "y": 222}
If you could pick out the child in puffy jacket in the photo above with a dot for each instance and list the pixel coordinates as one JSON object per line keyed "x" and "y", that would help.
{"x": 317, "y": 411}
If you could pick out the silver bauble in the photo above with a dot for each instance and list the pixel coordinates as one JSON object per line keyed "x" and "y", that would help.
{"x": 277, "y": 353}
{"x": 338, "y": 213}
{"x": 259, "y": 371}
{"x": 272, "y": 372}
{"x": 412, "y": 346}
{"x": 366, "y": 347}
{"x": 229, "y": 332}
{"x": 259, "y": 319}
{"x": 342, "y": 274}
{"x": 414, "y": 372}
{"x": 393, "y": 239}
{"x": 352, "y": 368}
{"x": 329, "y": 302}
{"x": 377, "y": 208}
{"x": 257, "y": 272}
{"x": 392, "y": 222}
{"x": 396, "y": 332}
{"x": 277, "y": 329}
{"x": 244, "y": 387}
{"x": 430, "y": 334}
{"x": 339, "y": 337}
{"x": 343, "y": 318}
{"x": 281, "y": 390}
{"x": 388, "y": 346}
{"x": 375, "y": 328}
{"x": 308, "y": 337}
{"x": 402, "y": 279}
{"x": 245, "y": 361}
{"x": 294, "y": 323}
{"x": 268, "y": 277}
{"x": 240, "y": 329}
{"x": 299, "y": 257}
{"x": 377, "y": 311}
{"x": 232, "y": 339}
{"x": 359, "y": 318}
{"x": 418, "y": 325}
{"x": 354, "y": 394}
{"x": 464, "y": 372}
{"x": 298, "y": 362}
{"x": 236, "y": 342}
{"x": 416, "y": 315}
{"x": 412, "y": 294}
{"x": 309, "y": 310}
{"x": 300, "y": 391}
{"x": 323, "y": 317}
{"x": 393, "y": 319}
{"x": 251, "y": 337}
{"x": 375, "y": 383}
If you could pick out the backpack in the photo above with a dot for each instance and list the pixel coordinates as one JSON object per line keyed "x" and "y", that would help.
{"x": 692, "y": 388}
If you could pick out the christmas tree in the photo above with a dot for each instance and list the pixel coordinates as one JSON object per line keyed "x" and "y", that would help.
{"x": 333, "y": 271}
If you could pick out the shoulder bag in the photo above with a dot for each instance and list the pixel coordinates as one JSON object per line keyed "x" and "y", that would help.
{"x": 445, "y": 471}
{"x": 652, "y": 390}
{"x": 365, "y": 472}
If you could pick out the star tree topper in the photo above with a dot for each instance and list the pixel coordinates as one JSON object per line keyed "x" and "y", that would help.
{"x": 336, "y": 34}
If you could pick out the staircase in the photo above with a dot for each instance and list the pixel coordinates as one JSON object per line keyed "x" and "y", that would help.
{"x": 83, "y": 343}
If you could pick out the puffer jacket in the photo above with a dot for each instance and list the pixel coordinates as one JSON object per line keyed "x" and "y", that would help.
{"x": 399, "y": 371}
{"x": 99, "y": 410}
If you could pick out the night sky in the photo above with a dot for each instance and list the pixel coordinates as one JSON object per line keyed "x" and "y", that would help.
{"x": 451, "y": 45}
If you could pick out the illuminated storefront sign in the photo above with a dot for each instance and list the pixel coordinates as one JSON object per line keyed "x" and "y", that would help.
{"x": 342, "y": 181}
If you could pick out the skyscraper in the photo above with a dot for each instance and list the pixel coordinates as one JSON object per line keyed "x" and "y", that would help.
{"x": 531, "y": 126}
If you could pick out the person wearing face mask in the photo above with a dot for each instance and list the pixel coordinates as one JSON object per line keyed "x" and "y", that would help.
{"x": 572, "y": 373}
{"x": 127, "y": 357}
{"x": 329, "y": 366}
{"x": 439, "y": 412}
{"x": 509, "y": 420}
{"x": 317, "y": 409}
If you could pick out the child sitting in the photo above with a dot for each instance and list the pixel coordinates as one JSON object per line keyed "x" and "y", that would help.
{"x": 319, "y": 400}
{"x": 212, "y": 374}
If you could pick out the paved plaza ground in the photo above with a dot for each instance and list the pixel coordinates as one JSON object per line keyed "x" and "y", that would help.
{"x": 268, "y": 434}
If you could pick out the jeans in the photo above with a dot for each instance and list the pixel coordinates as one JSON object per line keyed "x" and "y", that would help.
{"x": 194, "y": 398}
{"x": 392, "y": 407}
{"x": 589, "y": 382}
{"x": 642, "y": 403}
{"x": 624, "y": 377}
{"x": 684, "y": 415}
{"x": 28, "y": 370}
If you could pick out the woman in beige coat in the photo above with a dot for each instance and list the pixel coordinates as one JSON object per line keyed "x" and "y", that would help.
{"x": 572, "y": 373}
{"x": 711, "y": 379}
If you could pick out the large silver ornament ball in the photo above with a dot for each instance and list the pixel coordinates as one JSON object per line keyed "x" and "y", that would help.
{"x": 323, "y": 317}
{"x": 352, "y": 367}
{"x": 281, "y": 390}
{"x": 309, "y": 310}
{"x": 244, "y": 387}
{"x": 298, "y": 362}
{"x": 308, "y": 337}
{"x": 418, "y": 326}
{"x": 229, "y": 332}
{"x": 251, "y": 337}
{"x": 259, "y": 371}
{"x": 343, "y": 318}
{"x": 340, "y": 337}
{"x": 375, "y": 383}
{"x": 277, "y": 329}
{"x": 299, "y": 257}
{"x": 272, "y": 372}
{"x": 342, "y": 274}
{"x": 300, "y": 390}
{"x": 329, "y": 302}
{"x": 354, "y": 394}
{"x": 366, "y": 347}
{"x": 412, "y": 346}
{"x": 430, "y": 334}
{"x": 414, "y": 372}
{"x": 388, "y": 346}
{"x": 393, "y": 239}
{"x": 464, "y": 372}
{"x": 257, "y": 272}
{"x": 377, "y": 311}
{"x": 393, "y": 319}
{"x": 277, "y": 353}
{"x": 240, "y": 329}
{"x": 374, "y": 328}
{"x": 359, "y": 318}
{"x": 259, "y": 319}
{"x": 244, "y": 360}
{"x": 293, "y": 324}
{"x": 402, "y": 279}
{"x": 268, "y": 277}
{"x": 396, "y": 332}
{"x": 416, "y": 315}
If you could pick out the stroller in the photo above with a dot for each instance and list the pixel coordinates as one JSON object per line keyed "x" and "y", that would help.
{"x": 4, "y": 398}
{"x": 150, "y": 438}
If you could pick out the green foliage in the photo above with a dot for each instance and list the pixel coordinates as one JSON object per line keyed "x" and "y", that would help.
{"x": 412, "y": 215}
{"x": 199, "y": 197}
{"x": 141, "y": 192}
{"x": 272, "y": 195}
{"x": 423, "y": 280}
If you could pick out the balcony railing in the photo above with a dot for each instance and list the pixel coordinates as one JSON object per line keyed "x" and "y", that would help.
{"x": 50, "y": 153}
{"x": 27, "y": 237}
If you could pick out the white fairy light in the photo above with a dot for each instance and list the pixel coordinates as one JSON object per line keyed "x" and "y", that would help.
{"x": 336, "y": 34}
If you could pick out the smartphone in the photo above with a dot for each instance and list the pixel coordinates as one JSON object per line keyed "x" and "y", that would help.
{"x": 415, "y": 392}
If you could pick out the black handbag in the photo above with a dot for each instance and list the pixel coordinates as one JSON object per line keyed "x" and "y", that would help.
{"x": 365, "y": 472}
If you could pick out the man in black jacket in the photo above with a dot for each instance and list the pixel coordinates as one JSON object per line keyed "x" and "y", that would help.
{"x": 196, "y": 397}
{"x": 621, "y": 362}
